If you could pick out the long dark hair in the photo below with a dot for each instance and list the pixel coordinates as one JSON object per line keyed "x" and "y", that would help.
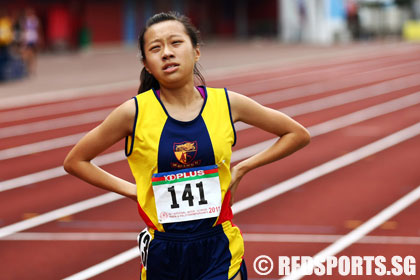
{"x": 147, "y": 81}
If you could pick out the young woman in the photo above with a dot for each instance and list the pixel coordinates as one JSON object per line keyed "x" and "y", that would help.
{"x": 178, "y": 144}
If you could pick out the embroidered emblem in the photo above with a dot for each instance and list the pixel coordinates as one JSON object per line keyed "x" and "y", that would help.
{"x": 186, "y": 151}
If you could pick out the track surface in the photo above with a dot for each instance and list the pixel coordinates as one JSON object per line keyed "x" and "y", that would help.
{"x": 368, "y": 97}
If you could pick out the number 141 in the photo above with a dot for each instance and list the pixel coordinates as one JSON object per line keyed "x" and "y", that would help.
{"x": 187, "y": 195}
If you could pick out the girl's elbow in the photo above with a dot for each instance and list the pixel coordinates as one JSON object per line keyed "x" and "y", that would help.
{"x": 304, "y": 137}
{"x": 68, "y": 165}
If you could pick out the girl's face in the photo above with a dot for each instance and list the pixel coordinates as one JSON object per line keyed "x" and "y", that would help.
{"x": 169, "y": 54}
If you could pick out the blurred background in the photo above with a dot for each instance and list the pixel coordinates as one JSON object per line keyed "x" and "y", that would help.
{"x": 50, "y": 26}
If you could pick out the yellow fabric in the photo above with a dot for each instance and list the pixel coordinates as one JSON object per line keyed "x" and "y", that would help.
{"x": 150, "y": 122}
{"x": 236, "y": 247}
{"x": 6, "y": 34}
{"x": 143, "y": 160}
{"x": 216, "y": 116}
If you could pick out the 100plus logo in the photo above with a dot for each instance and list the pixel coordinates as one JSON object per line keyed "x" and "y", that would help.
{"x": 189, "y": 174}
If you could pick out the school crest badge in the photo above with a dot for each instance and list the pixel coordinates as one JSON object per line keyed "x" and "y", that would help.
{"x": 186, "y": 151}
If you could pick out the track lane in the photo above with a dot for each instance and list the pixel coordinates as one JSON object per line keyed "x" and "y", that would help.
{"x": 67, "y": 257}
{"x": 327, "y": 146}
{"x": 42, "y": 136}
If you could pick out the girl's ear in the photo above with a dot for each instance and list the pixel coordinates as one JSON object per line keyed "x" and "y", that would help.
{"x": 197, "y": 53}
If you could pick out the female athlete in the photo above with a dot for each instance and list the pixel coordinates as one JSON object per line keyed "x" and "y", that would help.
{"x": 178, "y": 144}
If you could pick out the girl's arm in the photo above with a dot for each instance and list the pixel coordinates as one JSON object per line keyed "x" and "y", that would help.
{"x": 115, "y": 127}
{"x": 292, "y": 135}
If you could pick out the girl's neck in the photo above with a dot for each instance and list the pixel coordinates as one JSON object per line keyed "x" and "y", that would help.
{"x": 183, "y": 96}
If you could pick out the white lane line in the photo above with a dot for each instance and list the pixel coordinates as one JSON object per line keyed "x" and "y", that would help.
{"x": 315, "y": 130}
{"x": 72, "y": 236}
{"x": 248, "y": 237}
{"x": 353, "y": 95}
{"x": 278, "y": 189}
{"x": 327, "y": 167}
{"x": 59, "y": 213}
{"x": 346, "y": 97}
{"x": 63, "y": 122}
{"x": 294, "y": 110}
{"x": 359, "y": 79}
{"x": 56, "y": 172}
{"x": 106, "y": 265}
{"x": 53, "y": 109}
{"x": 361, "y": 231}
{"x": 274, "y": 95}
{"x": 318, "y": 85}
{"x": 41, "y": 146}
{"x": 67, "y": 94}
{"x": 111, "y": 88}
{"x": 99, "y": 115}
{"x": 327, "y": 238}
{"x": 327, "y": 63}
{"x": 218, "y": 73}
{"x": 340, "y": 122}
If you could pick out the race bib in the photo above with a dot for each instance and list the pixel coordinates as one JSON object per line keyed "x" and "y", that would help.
{"x": 187, "y": 194}
{"x": 143, "y": 239}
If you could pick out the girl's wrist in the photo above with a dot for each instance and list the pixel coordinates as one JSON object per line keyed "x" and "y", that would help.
{"x": 242, "y": 168}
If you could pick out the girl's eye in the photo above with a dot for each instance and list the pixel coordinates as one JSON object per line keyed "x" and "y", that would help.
{"x": 154, "y": 48}
{"x": 177, "y": 42}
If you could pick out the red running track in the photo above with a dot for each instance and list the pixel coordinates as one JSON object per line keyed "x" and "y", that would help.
{"x": 325, "y": 207}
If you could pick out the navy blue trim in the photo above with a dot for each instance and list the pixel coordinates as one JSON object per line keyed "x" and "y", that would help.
{"x": 231, "y": 120}
{"x": 127, "y": 154}
{"x": 182, "y": 122}
{"x": 242, "y": 270}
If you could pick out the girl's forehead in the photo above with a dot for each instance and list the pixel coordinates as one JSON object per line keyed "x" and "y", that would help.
{"x": 164, "y": 29}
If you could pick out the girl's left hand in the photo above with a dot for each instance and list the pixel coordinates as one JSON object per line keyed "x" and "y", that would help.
{"x": 236, "y": 176}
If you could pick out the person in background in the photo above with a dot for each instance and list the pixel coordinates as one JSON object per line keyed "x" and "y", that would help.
{"x": 6, "y": 37}
{"x": 31, "y": 39}
{"x": 6, "y": 33}
{"x": 17, "y": 25}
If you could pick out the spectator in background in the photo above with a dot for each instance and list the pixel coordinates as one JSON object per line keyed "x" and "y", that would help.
{"x": 6, "y": 33}
{"x": 17, "y": 27}
{"x": 6, "y": 37}
{"x": 353, "y": 21}
{"x": 301, "y": 7}
{"x": 31, "y": 39}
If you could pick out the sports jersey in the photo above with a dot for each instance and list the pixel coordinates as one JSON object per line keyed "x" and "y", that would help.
{"x": 161, "y": 148}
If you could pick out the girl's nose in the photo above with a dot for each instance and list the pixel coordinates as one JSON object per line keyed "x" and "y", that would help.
{"x": 167, "y": 53}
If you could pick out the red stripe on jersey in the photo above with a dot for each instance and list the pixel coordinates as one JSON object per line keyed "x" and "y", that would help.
{"x": 226, "y": 211}
{"x": 145, "y": 218}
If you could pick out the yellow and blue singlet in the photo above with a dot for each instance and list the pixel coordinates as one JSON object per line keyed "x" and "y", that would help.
{"x": 160, "y": 143}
